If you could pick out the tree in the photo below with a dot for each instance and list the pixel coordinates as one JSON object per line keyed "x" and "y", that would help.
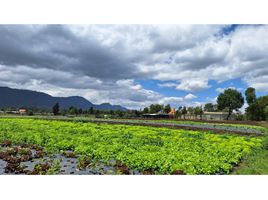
{"x": 80, "y": 111}
{"x": 184, "y": 111}
{"x": 209, "y": 107}
{"x": 178, "y": 114}
{"x": 167, "y": 108}
{"x": 111, "y": 112}
{"x": 230, "y": 99}
{"x": 250, "y": 95}
{"x": 256, "y": 109}
{"x": 198, "y": 111}
{"x": 73, "y": 110}
{"x": 191, "y": 111}
{"x": 154, "y": 108}
{"x": 266, "y": 112}
{"x": 262, "y": 104}
{"x": 91, "y": 110}
{"x": 145, "y": 110}
{"x": 56, "y": 109}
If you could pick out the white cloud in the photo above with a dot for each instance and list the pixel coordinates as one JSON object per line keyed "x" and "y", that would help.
{"x": 193, "y": 85}
{"x": 190, "y": 96}
{"x": 221, "y": 90}
{"x": 102, "y": 62}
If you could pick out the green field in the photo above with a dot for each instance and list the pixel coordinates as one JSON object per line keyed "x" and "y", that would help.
{"x": 161, "y": 150}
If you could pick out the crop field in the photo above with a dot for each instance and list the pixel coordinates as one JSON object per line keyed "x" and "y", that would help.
{"x": 239, "y": 128}
{"x": 35, "y": 146}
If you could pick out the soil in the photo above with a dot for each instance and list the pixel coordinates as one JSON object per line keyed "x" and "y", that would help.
{"x": 182, "y": 126}
{"x": 32, "y": 160}
{"x": 254, "y": 123}
{"x": 178, "y": 172}
{"x": 122, "y": 168}
{"x": 148, "y": 172}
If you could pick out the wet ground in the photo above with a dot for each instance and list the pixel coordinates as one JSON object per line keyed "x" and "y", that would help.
{"x": 32, "y": 160}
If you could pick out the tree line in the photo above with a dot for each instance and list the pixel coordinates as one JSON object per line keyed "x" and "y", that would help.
{"x": 228, "y": 101}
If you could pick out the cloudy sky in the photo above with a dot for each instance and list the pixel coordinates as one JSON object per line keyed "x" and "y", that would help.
{"x": 135, "y": 65}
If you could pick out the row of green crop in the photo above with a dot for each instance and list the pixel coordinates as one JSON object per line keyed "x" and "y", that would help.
{"x": 167, "y": 121}
{"x": 243, "y": 126}
{"x": 143, "y": 148}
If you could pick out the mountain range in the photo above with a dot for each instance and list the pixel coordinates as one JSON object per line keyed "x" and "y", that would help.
{"x": 17, "y": 98}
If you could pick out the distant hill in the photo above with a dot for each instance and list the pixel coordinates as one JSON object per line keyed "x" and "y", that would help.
{"x": 17, "y": 98}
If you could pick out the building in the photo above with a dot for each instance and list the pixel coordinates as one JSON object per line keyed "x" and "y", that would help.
{"x": 161, "y": 114}
{"x": 208, "y": 116}
{"x": 172, "y": 113}
{"x": 217, "y": 116}
{"x": 158, "y": 115}
{"x": 22, "y": 111}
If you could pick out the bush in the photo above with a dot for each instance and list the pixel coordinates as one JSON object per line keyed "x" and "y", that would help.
{"x": 240, "y": 117}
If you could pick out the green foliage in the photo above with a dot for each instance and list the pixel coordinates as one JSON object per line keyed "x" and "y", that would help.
{"x": 56, "y": 109}
{"x": 184, "y": 111}
{"x": 250, "y": 95}
{"x": 209, "y": 107}
{"x": 198, "y": 111}
{"x": 256, "y": 162}
{"x": 143, "y": 148}
{"x": 167, "y": 108}
{"x": 154, "y": 108}
{"x": 146, "y": 110}
{"x": 240, "y": 117}
{"x": 230, "y": 99}
{"x": 266, "y": 112}
{"x": 258, "y": 109}
{"x": 73, "y": 110}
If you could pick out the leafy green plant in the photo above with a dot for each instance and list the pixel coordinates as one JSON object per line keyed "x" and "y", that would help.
{"x": 143, "y": 148}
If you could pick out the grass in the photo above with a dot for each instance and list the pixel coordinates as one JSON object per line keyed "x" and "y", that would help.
{"x": 255, "y": 163}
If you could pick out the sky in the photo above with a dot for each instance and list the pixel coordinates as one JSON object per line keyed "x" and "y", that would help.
{"x": 135, "y": 65}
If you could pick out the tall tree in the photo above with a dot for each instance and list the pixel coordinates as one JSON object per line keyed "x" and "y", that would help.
{"x": 230, "y": 99}
{"x": 208, "y": 107}
{"x": 146, "y": 110}
{"x": 250, "y": 95}
{"x": 91, "y": 110}
{"x": 266, "y": 112}
{"x": 154, "y": 108}
{"x": 198, "y": 111}
{"x": 253, "y": 111}
{"x": 56, "y": 109}
{"x": 191, "y": 111}
{"x": 73, "y": 110}
{"x": 184, "y": 111}
{"x": 167, "y": 108}
{"x": 80, "y": 111}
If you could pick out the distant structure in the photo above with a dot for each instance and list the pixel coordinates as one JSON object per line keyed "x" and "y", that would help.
{"x": 210, "y": 116}
{"x": 161, "y": 114}
{"x": 217, "y": 116}
{"x": 158, "y": 115}
{"x": 22, "y": 111}
{"x": 172, "y": 113}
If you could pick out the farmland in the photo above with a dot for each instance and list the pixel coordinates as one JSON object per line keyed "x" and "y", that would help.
{"x": 102, "y": 148}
